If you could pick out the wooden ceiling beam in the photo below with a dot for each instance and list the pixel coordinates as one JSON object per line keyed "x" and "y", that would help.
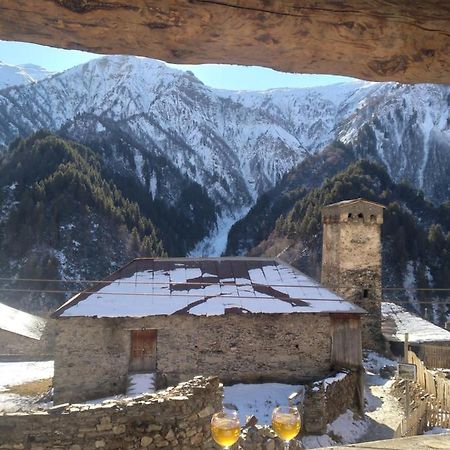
{"x": 406, "y": 41}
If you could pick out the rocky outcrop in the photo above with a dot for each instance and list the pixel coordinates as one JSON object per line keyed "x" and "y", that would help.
{"x": 396, "y": 40}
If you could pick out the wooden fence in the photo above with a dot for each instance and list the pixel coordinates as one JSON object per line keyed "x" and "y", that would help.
{"x": 432, "y": 410}
{"x": 434, "y": 355}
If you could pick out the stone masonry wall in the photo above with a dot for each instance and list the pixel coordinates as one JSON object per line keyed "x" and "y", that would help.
{"x": 16, "y": 346}
{"x": 326, "y": 399}
{"x": 92, "y": 354}
{"x": 177, "y": 418}
{"x": 12, "y": 344}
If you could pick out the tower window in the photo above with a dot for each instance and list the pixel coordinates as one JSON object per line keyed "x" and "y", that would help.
{"x": 365, "y": 293}
{"x": 360, "y": 216}
{"x": 350, "y": 215}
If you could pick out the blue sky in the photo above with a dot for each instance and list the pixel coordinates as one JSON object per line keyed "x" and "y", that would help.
{"x": 214, "y": 75}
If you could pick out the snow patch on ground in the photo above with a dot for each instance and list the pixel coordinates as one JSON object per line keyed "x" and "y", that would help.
{"x": 348, "y": 428}
{"x": 140, "y": 383}
{"x": 15, "y": 373}
{"x": 258, "y": 399}
{"x": 374, "y": 362}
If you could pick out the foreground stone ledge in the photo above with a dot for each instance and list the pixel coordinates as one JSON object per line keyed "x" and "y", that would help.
{"x": 400, "y": 40}
{"x": 432, "y": 442}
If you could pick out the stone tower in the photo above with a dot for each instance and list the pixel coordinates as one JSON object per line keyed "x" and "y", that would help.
{"x": 351, "y": 259}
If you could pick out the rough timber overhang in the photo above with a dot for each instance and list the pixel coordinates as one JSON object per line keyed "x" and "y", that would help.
{"x": 406, "y": 41}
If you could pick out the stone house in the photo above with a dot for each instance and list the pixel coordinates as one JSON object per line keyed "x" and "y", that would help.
{"x": 242, "y": 319}
{"x": 21, "y": 334}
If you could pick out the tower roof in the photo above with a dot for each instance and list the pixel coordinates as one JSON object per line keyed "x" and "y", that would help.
{"x": 353, "y": 202}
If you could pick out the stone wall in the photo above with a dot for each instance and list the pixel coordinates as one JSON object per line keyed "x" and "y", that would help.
{"x": 93, "y": 354}
{"x": 16, "y": 346}
{"x": 327, "y": 399}
{"x": 177, "y": 418}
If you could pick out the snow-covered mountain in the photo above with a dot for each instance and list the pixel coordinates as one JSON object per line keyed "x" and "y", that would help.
{"x": 144, "y": 116}
{"x": 22, "y": 74}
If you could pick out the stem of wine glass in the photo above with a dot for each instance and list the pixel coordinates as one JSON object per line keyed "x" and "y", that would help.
{"x": 286, "y": 445}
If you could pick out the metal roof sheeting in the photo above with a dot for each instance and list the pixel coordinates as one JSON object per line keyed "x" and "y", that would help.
{"x": 20, "y": 322}
{"x": 205, "y": 286}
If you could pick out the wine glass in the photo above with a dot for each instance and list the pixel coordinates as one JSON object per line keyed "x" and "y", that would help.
{"x": 225, "y": 428}
{"x": 286, "y": 423}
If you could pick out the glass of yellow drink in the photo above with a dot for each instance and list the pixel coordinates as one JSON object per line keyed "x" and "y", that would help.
{"x": 286, "y": 423}
{"x": 225, "y": 428}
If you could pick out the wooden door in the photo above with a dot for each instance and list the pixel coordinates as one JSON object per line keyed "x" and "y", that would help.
{"x": 346, "y": 350}
{"x": 143, "y": 351}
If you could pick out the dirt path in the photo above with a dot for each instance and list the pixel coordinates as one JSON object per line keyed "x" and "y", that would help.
{"x": 383, "y": 410}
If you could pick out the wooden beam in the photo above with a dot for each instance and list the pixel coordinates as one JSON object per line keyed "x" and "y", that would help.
{"x": 407, "y": 41}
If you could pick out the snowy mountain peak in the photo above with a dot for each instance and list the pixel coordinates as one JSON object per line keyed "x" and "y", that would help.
{"x": 236, "y": 145}
{"x": 22, "y": 74}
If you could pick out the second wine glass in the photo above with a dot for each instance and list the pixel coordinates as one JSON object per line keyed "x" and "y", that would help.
{"x": 286, "y": 423}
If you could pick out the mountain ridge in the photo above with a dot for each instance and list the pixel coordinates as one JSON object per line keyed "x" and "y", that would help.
{"x": 163, "y": 124}
{"x": 17, "y": 75}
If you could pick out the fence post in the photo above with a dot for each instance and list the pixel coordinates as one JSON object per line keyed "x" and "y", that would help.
{"x": 407, "y": 382}
{"x": 405, "y": 348}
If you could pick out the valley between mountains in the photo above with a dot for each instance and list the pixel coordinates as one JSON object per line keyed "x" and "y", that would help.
{"x": 126, "y": 156}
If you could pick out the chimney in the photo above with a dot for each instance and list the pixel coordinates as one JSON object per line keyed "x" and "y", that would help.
{"x": 351, "y": 259}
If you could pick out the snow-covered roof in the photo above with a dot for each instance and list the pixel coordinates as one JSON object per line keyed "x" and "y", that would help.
{"x": 20, "y": 322}
{"x": 204, "y": 287}
{"x": 396, "y": 321}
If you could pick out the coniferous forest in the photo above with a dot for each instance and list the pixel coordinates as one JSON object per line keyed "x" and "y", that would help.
{"x": 66, "y": 215}
{"x": 415, "y": 232}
